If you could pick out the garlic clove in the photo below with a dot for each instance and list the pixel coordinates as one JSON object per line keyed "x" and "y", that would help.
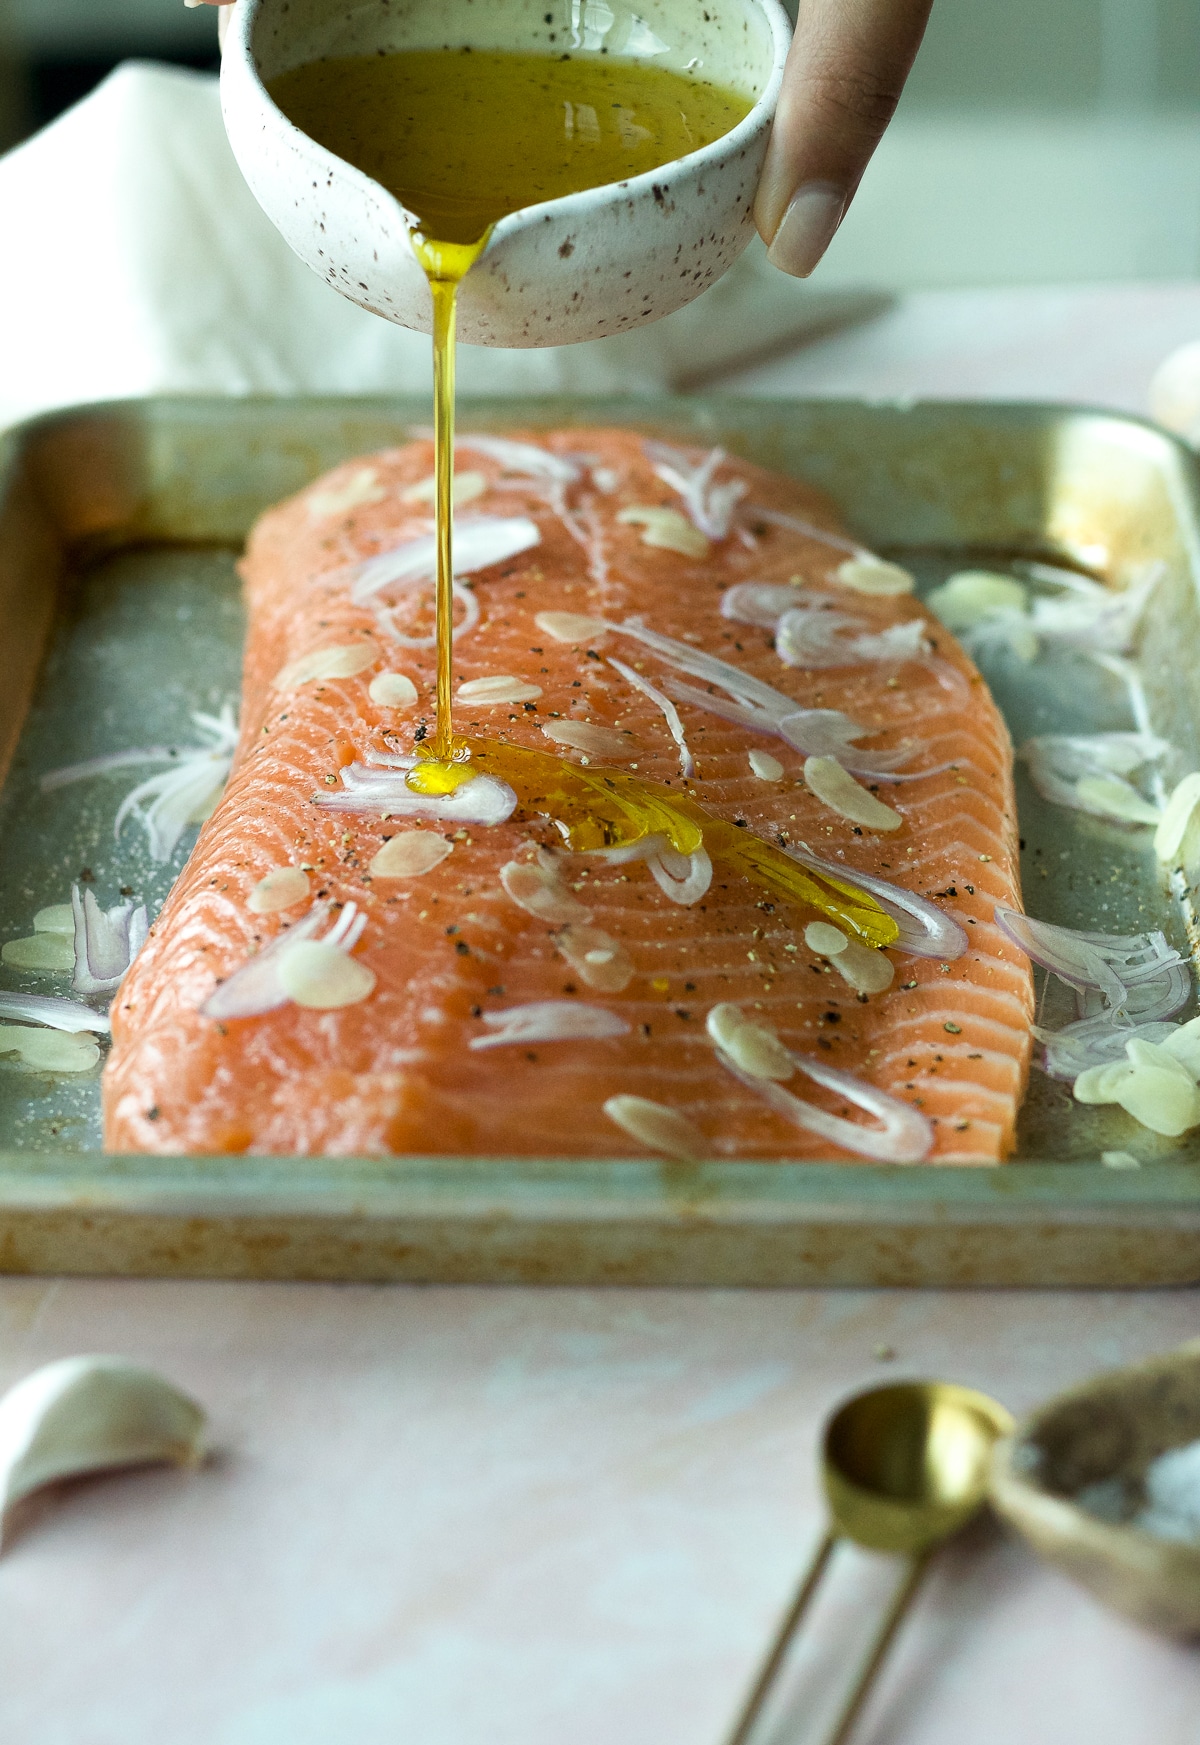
{"x": 873, "y": 575}
{"x": 56, "y": 918}
{"x": 282, "y": 888}
{"x": 91, "y": 1414}
{"x": 1177, "y": 839}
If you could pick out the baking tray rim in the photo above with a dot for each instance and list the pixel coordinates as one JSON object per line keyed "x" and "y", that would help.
{"x": 798, "y": 1196}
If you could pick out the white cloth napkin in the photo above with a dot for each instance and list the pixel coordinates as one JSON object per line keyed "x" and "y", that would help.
{"x": 137, "y": 262}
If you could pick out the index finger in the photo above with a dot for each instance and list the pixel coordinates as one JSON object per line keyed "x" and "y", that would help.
{"x": 844, "y": 75}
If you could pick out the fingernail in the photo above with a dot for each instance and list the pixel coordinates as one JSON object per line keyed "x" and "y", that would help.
{"x": 807, "y": 228}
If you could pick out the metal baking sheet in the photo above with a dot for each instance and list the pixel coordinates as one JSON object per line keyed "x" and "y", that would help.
{"x": 119, "y": 615}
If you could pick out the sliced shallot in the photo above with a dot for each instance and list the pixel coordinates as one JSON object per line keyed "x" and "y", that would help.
{"x": 1087, "y": 771}
{"x": 167, "y": 803}
{"x": 482, "y": 800}
{"x": 540, "y": 892}
{"x": 759, "y": 603}
{"x": 810, "y": 637}
{"x": 925, "y": 930}
{"x": 710, "y": 506}
{"x": 550, "y": 1021}
{"x": 479, "y": 542}
{"x": 106, "y": 941}
{"x": 70, "y": 1016}
{"x": 687, "y": 763}
{"x": 657, "y": 1126}
{"x": 257, "y": 986}
{"x": 903, "y": 1136}
{"x": 522, "y": 457}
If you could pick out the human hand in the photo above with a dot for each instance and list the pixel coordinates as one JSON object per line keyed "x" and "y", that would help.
{"x": 844, "y": 75}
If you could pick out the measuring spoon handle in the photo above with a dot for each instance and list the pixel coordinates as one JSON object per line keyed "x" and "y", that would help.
{"x": 778, "y": 1648}
{"x": 880, "y": 1646}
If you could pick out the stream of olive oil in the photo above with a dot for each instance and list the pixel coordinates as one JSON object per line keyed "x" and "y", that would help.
{"x": 462, "y": 138}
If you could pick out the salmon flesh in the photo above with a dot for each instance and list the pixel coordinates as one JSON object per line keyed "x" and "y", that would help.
{"x": 522, "y": 983}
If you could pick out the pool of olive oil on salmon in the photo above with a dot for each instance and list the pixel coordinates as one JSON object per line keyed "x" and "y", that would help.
{"x": 461, "y": 138}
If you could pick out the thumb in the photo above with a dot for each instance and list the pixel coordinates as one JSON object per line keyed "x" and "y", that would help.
{"x": 844, "y": 75}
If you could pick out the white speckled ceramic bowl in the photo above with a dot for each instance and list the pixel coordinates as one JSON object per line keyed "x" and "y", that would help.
{"x": 1101, "y": 1438}
{"x": 588, "y": 265}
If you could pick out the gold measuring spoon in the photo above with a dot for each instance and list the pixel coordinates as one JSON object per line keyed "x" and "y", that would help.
{"x": 903, "y": 1468}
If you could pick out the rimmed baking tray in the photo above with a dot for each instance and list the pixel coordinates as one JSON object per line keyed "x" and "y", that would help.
{"x": 119, "y": 526}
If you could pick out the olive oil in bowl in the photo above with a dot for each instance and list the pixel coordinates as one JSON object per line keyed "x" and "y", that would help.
{"x": 462, "y": 138}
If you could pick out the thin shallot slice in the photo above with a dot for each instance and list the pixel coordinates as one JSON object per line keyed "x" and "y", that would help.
{"x": 479, "y": 542}
{"x": 903, "y": 1136}
{"x": 482, "y": 800}
{"x": 56, "y": 1014}
{"x": 106, "y": 941}
{"x": 167, "y": 803}
{"x": 1088, "y": 771}
{"x": 925, "y": 930}
{"x": 760, "y": 603}
{"x": 258, "y": 986}
{"x": 550, "y": 1021}
{"x": 522, "y": 457}
{"x": 760, "y": 1061}
{"x": 687, "y": 763}
{"x": 710, "y": 506}
{"x": 810, "y": 637}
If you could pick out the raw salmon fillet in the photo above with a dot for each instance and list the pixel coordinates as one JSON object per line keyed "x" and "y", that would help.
{"x": 396, "y": 1072}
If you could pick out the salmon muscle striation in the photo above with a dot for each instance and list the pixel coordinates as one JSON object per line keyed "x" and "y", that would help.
{"x": 512, "y": 994}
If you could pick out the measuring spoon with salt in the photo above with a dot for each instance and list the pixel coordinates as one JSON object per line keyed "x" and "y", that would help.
{"x": 903, "y": 1469}
{"x": 596, "y": 262}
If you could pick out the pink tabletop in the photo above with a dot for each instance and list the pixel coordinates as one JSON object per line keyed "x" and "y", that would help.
{"x": 519, "y": 1517}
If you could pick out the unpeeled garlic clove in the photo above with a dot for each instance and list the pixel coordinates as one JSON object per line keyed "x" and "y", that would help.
{"x": 91, "y": 1414}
